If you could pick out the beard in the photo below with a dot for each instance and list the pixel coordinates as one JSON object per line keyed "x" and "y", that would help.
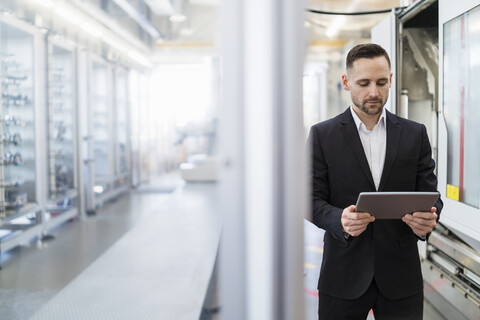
{"x": 372, "y": 109}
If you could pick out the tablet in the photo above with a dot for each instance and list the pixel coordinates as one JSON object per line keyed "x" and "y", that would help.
{"x": 394, "y": 205}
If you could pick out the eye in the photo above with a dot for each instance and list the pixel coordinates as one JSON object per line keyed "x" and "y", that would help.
{"x": 363, "y": 84}
{"x": 382, "y": 83}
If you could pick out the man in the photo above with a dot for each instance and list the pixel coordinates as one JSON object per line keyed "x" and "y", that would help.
{"x": 369, "y": 264}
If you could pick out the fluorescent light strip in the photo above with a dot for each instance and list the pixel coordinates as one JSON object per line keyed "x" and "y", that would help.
{"x": 177, "y": 18}
{"x": 67, "y": 14}
{"x": 139, "y": 58}
{"x": 92, "y": 30}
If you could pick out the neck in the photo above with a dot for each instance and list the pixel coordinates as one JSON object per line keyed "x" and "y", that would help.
{"x": 368, "y": 120}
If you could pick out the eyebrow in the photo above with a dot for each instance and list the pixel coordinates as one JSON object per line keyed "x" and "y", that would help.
{"x": 362, "y": 80}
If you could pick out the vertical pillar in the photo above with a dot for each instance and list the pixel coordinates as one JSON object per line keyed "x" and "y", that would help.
{"x": 262, "y": 145}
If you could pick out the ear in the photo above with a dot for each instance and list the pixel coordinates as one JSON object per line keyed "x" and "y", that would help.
{"x": 390, "y": 82}
{"x": 345, "y": 82}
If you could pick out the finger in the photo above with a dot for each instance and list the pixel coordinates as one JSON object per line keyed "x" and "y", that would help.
{"x": 425, "y": 215}
{"x": 413, "y": 227}
{"x": 420, "y": 227}
{"x": 431, "y": 221}
{"x": 357, "y": 222}
{"x": 357, "y": 215}
{"x": 358, "y": 232}
{"x": 355, "y": 229}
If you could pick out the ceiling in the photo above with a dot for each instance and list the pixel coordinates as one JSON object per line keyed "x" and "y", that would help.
{"x": 198, "y": 29}
{"x": 333, "y": 28}
{"x": 329, "y": 32}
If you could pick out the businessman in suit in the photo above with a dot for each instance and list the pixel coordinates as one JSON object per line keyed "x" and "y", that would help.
{"x": 367, "y": 263}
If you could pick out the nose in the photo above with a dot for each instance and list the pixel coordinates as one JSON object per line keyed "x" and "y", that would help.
{"x": 373, "y": 90}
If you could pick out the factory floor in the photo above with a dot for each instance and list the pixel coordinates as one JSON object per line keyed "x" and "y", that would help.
{"x": 95, "y": 265}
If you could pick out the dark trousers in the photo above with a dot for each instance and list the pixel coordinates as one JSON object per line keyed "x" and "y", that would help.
{"x": 409, "y": 308}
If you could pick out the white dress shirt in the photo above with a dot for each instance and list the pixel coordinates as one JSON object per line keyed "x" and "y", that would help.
{"x": 374, "y": 144}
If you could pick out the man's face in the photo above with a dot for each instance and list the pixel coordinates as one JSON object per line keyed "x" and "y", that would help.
{"x": 368, "y": 82}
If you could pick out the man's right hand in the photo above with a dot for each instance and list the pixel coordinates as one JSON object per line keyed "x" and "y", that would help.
{"x": 354, "y": 223}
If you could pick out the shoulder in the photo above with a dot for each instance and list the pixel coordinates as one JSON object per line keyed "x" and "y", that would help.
{"x": 330, "y": 124}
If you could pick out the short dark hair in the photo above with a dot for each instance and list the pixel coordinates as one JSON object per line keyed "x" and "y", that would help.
{"x": 367, "y": 50}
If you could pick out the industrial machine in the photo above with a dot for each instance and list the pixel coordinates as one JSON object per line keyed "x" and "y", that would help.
{"x": 435, "y": 46}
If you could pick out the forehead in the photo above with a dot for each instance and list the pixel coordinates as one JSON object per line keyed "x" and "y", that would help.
{"x": 367, "y": 68}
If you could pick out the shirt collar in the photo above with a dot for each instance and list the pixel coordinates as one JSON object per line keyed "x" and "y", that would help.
{"x": 359, "y": 124}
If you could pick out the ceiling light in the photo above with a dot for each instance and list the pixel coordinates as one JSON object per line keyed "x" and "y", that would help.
{"x": 139, "y": 58}
{"x": 177, "y": 18}
{"x": 67, "y": 14}
{"x": 160, "y": 7}
{"x": 337, "y": 24}
{"x": 94, "y": 31}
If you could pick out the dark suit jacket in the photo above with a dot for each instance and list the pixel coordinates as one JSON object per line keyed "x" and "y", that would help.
{"x": 387, "y": 249}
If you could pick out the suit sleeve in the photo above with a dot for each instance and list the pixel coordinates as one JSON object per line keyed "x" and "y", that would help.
{"x": 323, "y": 214}
{"x": 426, "y": 178}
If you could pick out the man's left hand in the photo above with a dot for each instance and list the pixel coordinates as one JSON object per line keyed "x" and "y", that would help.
{"x": 421, "y": 223}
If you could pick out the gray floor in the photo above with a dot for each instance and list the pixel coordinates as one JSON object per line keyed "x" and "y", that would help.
{"x": 160, "y": 269}
{"x": 32, "y": 274}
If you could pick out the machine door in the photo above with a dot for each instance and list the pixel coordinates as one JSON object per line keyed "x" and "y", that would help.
{"x": 459, "y": 140}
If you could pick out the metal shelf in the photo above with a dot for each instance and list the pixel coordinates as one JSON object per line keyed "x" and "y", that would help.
{"x": 28, "y": 208}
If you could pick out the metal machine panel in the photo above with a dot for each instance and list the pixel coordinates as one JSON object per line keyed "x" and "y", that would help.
{"x": 384, "y": 34}
{"x": 459, "y": 173}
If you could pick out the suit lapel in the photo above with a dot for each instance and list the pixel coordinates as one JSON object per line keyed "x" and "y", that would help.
{"x": 350, "y": 133}
{"x": 393, "y": 138}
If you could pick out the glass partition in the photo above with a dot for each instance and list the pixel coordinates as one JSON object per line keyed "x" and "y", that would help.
{"x": 17, "y": 131}
{"x": 101, "y": 127}
{"x": 61, "y": 142}
{"x": 121, "y": 117}
{"x": 462, "y": 114}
